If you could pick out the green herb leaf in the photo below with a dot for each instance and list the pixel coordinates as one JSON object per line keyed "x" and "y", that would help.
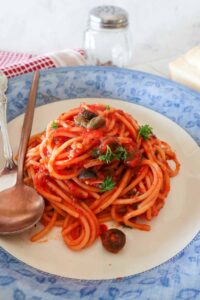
{"x": 54, "y": 125}
{"x": 95, "y": 152}
{"x": 121, "y": 153}
{"x": 107, "y": 184}
{"x": 145, "y": 131}
{"x": 108, "y": 156}
{"x": 107, "y": 107}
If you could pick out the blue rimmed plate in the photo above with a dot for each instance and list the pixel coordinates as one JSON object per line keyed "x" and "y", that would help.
{"x": 19, "y": 281}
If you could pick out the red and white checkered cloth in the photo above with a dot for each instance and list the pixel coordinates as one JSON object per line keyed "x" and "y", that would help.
{"x": 14, "y": 64}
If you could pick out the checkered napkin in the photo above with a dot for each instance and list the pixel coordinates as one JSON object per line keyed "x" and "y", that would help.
{"x": 13, "y": 64}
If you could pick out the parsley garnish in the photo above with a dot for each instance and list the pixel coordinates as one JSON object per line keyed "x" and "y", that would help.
{"x": 121, "y": 153}
{"x": 54, "y": 125}
{"x": 107, "y": 107}
{"x": 107, "y": 184}
{"x": 145, "y": 131}
{"x": 108, "y": 156}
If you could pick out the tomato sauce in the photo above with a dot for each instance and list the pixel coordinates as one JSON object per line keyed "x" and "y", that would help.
{"x": 102, "y": 229}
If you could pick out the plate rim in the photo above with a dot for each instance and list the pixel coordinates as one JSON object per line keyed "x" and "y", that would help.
{"x": 104, "y": 68}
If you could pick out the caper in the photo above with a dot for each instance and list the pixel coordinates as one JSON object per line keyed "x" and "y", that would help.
{"x": 96, "y": 123}
{"x": 80, "y": 121}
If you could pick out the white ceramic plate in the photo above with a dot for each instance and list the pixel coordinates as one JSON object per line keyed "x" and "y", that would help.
{"x": 176, "y": 225}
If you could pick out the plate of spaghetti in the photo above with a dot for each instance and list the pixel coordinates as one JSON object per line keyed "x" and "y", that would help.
{"x": 118, "y": 181}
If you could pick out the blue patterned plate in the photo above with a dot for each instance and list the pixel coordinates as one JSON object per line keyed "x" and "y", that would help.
{"x": 19, "y": 281}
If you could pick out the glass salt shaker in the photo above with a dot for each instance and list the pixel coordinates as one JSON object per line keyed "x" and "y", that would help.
{"x": 107, "y": 37}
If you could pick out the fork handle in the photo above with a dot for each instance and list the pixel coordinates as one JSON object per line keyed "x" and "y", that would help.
{"x": 4, "y": 130}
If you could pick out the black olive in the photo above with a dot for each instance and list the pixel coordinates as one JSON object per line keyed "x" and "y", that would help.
{"x": 87, "y": 174}
{"x": 88, "y": 115}
{"x": 113, "y": 240}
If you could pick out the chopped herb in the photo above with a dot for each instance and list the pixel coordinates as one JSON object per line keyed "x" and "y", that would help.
{"x": 108, "y": 156}
{"x": 107, "y": 184}
{"x": 121, "y": 153}
{"x": 107, "y": 107}
{"x": 95, "y": 152}
{"x": 54, "y": 125}
{"x": 145, "y": 131}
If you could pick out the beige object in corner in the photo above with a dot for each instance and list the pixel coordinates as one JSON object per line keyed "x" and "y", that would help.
{"x": 186, "y": 69}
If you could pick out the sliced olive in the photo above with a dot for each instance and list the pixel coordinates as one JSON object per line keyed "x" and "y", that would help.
{"x": 87, "y": 174}
{"x": 96, "y": 123}
{"x": 80, "y": 121}
{"x": 113, "y": 240}
{"x": 88, "y": 115}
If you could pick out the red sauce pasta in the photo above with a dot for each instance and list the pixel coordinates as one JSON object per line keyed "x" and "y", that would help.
{"x": 95, "y": 164}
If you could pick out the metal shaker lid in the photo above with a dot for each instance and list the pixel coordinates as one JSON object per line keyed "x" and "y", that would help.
{"x": 108, "y": 17}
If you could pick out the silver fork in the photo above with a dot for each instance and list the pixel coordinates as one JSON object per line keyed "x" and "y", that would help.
{"x": 8, "y": 154}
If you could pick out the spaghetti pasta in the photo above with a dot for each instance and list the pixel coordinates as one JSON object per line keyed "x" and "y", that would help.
{"x": 92, "y": 165}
